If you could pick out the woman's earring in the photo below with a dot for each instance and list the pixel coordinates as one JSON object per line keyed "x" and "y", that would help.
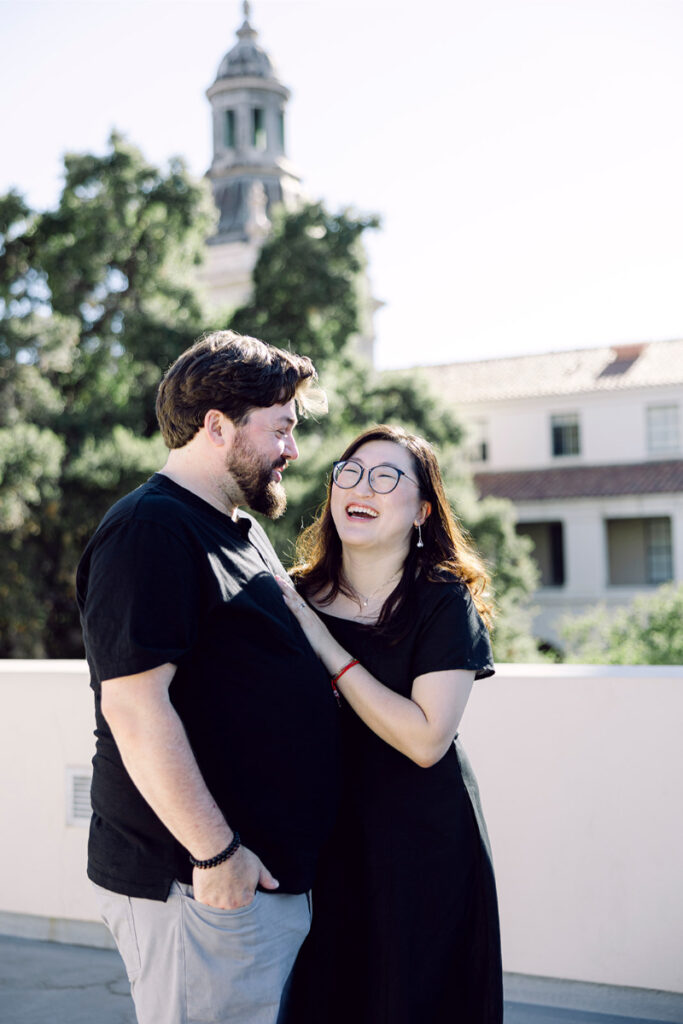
{"x": 419, "y": 536}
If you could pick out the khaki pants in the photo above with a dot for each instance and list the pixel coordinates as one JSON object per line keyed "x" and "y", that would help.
{"x": 192, "y": 964}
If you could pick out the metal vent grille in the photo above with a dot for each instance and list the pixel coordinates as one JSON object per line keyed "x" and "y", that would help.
{"x": 78, "y": 796}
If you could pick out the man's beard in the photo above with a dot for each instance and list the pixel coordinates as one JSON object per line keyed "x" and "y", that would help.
{"x": 252, "y": 474}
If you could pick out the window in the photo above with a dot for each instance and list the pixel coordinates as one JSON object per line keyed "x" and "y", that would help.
{"x": 258, "y": 128}
{"x": 477, "y": 444}
{"x": 658, "y": 550}
{"x": 639, "y": 551}
{"x": 229, "y": 129}
{"x": 565, "y": 434}
{"x": 548, "y": 550}
{"x": 662, "y": 429}
{"x": 281, "y": 129}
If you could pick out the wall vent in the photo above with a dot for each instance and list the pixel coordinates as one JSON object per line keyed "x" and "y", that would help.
{"x": 78, "y": 795}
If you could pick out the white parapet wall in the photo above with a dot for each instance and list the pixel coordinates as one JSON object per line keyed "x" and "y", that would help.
{"x": 581, "y": 774}
{"x": 46, "y": 728}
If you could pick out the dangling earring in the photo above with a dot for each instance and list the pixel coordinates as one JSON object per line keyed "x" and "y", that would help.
{"x": 419, "y": 536}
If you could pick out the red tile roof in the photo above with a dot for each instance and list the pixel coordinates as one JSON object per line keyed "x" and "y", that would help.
{"x": 583, "y": 481}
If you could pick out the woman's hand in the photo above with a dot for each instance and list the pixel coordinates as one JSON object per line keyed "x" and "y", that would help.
{"x": 319, "y": 637}
{"x": 421, "y": 726}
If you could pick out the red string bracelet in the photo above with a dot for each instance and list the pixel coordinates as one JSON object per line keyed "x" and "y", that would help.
{"x": 334, "y": 679}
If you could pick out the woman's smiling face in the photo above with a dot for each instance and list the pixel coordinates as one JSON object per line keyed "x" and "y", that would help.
{"x": 364, "y": 518}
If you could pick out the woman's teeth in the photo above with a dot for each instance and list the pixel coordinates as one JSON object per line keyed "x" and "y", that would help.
{"x": 361, "y": 512}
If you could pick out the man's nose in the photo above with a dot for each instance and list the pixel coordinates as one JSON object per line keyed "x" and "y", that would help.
{"x": 291, "y": 451}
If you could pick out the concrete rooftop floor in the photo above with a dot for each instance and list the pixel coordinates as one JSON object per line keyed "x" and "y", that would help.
{"x": 54, "y": 983}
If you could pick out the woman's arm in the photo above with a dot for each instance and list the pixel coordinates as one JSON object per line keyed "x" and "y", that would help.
{"x": 421, "y": 726}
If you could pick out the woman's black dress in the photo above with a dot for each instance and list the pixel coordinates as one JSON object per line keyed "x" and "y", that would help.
{"x": 405, "y": 920}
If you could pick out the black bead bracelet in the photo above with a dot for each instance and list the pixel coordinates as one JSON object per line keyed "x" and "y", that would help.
{"x": 229, "y": 850}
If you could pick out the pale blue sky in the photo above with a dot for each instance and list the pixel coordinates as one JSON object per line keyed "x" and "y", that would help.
{"x": 526, "y": 155}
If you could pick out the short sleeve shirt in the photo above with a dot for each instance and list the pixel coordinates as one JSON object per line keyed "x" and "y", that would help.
{"x": 169, "y": 578}
{"x": 388, "y": 800}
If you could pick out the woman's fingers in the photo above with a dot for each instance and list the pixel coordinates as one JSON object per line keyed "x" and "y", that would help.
{"x": 286, "y": 588}
{"x": 294, "y": 602}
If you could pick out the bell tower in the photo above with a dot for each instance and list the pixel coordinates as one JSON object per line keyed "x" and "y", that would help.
{"x": 249, "y": 171}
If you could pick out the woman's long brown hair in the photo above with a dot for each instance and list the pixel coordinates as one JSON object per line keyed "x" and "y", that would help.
{"x": 447, "y": 553}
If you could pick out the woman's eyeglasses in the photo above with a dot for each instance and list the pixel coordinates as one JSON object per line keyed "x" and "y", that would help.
{"x": 382, "y": 479}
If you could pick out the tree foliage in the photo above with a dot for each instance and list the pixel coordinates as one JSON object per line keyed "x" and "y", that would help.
{"x": 95, "y": 301}
{"x": 97, "y": 297}
{"x": 648, "y": 631}
{"x": 306, "y": 296}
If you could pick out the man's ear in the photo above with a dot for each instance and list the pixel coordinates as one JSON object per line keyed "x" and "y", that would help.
{"x": 219, "y": 429}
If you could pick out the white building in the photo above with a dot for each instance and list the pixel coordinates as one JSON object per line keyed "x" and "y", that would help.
{"x": 588, "y": 446}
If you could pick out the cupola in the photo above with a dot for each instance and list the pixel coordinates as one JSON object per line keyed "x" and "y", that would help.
{"x": 248, "y": 104}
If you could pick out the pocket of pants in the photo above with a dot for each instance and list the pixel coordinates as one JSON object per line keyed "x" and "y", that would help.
{"x": 221, "y": 952}
{"x": 213, "y": 915}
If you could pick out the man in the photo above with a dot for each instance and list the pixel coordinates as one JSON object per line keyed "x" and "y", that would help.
{"x": 214, "y": 775}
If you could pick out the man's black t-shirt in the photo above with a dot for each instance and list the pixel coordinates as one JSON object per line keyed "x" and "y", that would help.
{"x": 168, "y": 578}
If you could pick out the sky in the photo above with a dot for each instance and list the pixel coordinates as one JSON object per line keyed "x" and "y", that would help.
{"x": 525, "y": 156}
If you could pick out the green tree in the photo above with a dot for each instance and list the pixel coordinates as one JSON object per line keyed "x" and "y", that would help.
{"x": 97, "y": 298}
{"x": 307, "y": 288}
{"x": 648, "y": 631}
{"x": 94, "y": 304}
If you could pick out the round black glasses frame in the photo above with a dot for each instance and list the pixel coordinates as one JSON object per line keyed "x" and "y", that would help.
{"x": 337, "y": 468}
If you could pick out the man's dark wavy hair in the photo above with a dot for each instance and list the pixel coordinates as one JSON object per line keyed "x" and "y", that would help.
{"x": 232, "y": 373}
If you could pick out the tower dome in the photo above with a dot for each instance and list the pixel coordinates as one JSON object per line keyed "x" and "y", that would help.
{"x": 246, "y": 58}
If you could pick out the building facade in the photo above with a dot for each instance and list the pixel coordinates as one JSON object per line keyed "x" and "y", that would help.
{"x": 588, "y": 445}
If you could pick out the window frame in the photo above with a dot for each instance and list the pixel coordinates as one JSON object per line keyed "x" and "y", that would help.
{"x": 556, "y": 549}
{"x": 259, "y": 136}
{"x": 652, "y": 429}
{"x": 478, "y": 440}
{"x": 653, "y": 552}
{"x": 571, "y": 422}
{"x": 230, "y": 128}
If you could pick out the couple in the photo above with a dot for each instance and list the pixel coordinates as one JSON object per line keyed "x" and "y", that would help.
{"x": 227, "y": 702}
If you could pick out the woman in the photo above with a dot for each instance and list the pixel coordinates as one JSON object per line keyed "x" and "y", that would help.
{"x": 392, "y": 599}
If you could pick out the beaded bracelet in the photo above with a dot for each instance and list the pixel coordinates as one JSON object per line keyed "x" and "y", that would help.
{"x": 333, "y": 680}
{"x": 229, "y": 850}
